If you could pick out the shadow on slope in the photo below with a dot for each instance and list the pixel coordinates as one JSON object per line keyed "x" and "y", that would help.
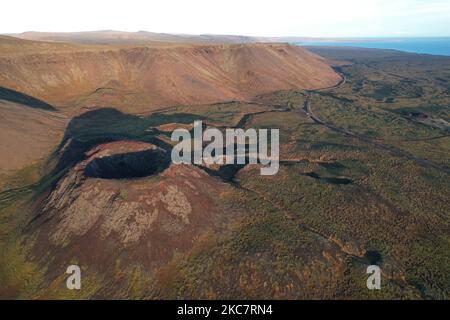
{"x": 26, "y": 100}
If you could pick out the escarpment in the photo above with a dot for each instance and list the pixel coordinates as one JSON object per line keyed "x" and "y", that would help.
{"x": 139, "y": 79}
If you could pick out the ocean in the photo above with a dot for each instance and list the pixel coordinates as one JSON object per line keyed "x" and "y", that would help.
{"x": 435, "y": 46}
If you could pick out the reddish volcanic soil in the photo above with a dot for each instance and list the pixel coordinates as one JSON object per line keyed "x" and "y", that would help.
{"x": 140, "y": 78}
{"x": 27, "y": 134}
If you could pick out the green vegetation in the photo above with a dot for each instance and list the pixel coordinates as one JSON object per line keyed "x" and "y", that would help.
{"x": 311, "y": 230}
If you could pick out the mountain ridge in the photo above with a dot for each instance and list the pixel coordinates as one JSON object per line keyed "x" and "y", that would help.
{"x": 140, "y": 78}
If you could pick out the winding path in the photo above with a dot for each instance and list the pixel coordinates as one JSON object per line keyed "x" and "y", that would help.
{"x": 307, "y": 108}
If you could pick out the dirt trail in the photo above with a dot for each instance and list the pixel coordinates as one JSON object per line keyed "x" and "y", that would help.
{"x": 307, "y": 108}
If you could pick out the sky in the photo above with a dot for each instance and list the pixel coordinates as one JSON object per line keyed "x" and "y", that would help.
{"x": 313, "y": 18}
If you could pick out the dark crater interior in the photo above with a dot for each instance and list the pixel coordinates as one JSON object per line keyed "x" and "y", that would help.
{"x": 128, "y": 165}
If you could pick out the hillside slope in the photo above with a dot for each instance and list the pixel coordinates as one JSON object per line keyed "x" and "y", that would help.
{"x": 27, "y": 134}
{"x": 138, "y": 79}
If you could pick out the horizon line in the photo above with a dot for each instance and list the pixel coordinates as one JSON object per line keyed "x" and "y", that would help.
{"x": 237, "y": 35}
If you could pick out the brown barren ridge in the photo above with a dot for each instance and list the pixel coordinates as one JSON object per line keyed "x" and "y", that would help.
{"x": 140, "y": 78}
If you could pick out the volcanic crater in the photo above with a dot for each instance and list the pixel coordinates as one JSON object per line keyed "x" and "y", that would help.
{"x": 128, "y": 165}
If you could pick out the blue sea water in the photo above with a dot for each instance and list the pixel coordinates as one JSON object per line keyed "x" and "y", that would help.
{"x": 435, "y": 46}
